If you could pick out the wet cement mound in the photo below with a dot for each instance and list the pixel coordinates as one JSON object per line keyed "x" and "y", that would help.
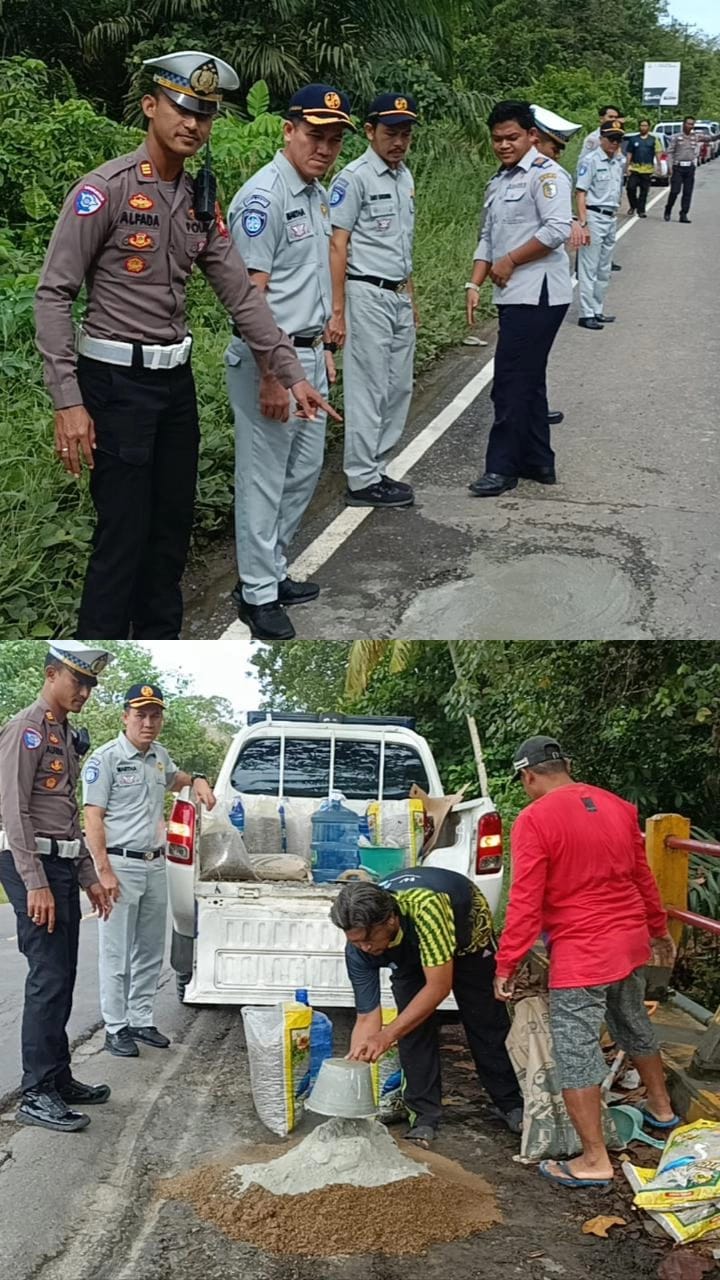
{"x": 406, "y": 1217}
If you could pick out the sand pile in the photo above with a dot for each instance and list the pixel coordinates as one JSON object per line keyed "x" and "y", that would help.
{"x": 440, "y": 1202}
{"x": 360, "y": 1153}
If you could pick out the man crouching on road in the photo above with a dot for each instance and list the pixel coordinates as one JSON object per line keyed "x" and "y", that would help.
{"x": 433, "y": 929}
{"x": 124, "y": 785}
{"x": 580, "y": 875}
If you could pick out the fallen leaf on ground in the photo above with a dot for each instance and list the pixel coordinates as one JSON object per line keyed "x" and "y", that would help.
{"x": 681, "y": 1264}
{"x": 601, "y": 1225}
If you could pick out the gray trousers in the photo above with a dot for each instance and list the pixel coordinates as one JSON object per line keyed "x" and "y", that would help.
{"x": 131, "y": 944}
{"x": 377, "y": 378}
{"x": 277, "y": 466}
{"x": 595, "y": 263}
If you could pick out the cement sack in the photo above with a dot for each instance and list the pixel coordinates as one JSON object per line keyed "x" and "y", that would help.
{"x": 278, "y": 1045}
{"x": 263, "y": 826}
{"x": 547, "y": 1129}
{"x": 222, "y": 852}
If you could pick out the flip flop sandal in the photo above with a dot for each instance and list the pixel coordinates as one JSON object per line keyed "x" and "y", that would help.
{"x": 650, "y": 1119}
{"x": 422, "y": 1134}
{"x": 569, "y": 1180}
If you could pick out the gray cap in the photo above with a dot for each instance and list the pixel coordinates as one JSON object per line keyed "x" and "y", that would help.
{"x": 537, "y": 750}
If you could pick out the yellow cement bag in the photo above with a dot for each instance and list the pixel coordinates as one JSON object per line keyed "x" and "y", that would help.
{"x": 683, "y": 1225}
{"x": 689, "y": 1170}
{"x": 399, "y": 824}
{"x": 387, "y": 1077}
{"x": 278, "y": 1044}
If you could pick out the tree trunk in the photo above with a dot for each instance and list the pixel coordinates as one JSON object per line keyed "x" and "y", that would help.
{"x": 472, "y": 727}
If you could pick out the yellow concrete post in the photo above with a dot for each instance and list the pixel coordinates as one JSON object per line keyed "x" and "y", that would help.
{"x": 669, "y": 866}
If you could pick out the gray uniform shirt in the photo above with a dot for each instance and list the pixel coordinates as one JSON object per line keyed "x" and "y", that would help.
{"x": 135, "y": 248}
{"x": 600, "y": 176}
{"x": 39, "y": 770}
{"x": 130, "y": 786}
{"x": 281, "y": 225}
{"x": 591, "y": 143}
{"x": 377, "y": 205}
{"x": 532, "y": 199}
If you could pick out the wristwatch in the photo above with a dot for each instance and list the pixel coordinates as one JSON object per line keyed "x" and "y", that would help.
{"x": 330, "y": 346}
{"x": 471, "y": 285}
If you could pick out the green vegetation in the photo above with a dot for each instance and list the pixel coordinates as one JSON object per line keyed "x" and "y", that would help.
{"x": 69, "y": 82}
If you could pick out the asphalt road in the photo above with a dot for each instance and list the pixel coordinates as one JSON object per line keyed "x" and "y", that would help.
{"x": 626, "y": 546}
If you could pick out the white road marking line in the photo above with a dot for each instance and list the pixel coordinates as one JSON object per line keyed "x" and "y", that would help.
{"x": 344, "y": 525}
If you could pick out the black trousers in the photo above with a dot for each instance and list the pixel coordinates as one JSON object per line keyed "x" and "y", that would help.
{"x": 683, "y": 179}
{"x": 143, "y": 488}
{"x": 520, "y": 436}
{"x": 638, "y": 186}
{"x": 486, "y": 1024}
{"x": 52, "y": 965}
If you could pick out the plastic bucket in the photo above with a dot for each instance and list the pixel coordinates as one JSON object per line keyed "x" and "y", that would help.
{"x": 343, "y": 1089}
{"x": 383, "y": 861}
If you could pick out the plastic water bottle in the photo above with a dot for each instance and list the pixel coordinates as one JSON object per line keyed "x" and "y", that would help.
{"x": 334, "y": 841}
{"x": 321, "y": 1036}
{"x": 237, "y": 816}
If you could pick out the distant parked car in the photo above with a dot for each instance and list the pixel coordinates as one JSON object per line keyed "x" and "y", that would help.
{"x": 707, "y": 135}
{"x": 661, "y": 176}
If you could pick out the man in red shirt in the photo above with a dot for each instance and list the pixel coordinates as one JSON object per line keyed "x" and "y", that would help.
{"x": 581, "y": 878}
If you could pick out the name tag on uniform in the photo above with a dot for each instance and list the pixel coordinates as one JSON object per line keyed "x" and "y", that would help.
{"x": 127, "y": 775}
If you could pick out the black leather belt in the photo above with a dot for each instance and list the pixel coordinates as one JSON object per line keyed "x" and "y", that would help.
{"x": 596, "y": 208}
{"x": 150, "y": 856}
{"x": 381, "y": 283}
{"x": 297, "y": 339}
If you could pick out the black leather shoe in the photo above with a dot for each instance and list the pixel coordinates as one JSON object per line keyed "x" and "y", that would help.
{"x": 589, "y": 322}
{"x": 684, "y": 218}
{"x": 667, "y": 215}
{"x": 46, "y": 1109}
{"x": 266, "y": 621}
{"x": 121, "y": 1044}
{"x": 290, "y": 592}
{"x": 642, "y": 215}
{"x": 382, "y": 494}
{"x": 75, "y": 1092}
{"x": 555, "y": 417}
{"x": 541, "y": 475}
{"x": 615, "y": 267}
{"x": 491, "y": 485}
{"x": 389, "y": 483}
{"x": 601, "y": 319}
{"x": 149, "y": 1035}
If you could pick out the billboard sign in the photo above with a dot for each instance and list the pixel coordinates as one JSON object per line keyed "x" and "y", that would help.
{"x": 661, "y": 84}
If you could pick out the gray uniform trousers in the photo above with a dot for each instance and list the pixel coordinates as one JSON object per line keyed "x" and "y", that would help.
{"x": 595, "y": 263}
{"x": 377, "y": 378}
{"x": 277, "y": 466}
{"x": 131, "y": 944}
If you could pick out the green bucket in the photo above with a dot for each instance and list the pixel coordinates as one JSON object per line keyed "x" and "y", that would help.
{"x": 382, "y": 862}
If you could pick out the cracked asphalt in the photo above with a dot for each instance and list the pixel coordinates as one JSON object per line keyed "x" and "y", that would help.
{"x": 626, "y": 546}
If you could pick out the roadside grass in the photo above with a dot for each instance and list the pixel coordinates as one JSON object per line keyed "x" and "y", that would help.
{"x": 47, "y": 517}
{"x": 3, "y": 895}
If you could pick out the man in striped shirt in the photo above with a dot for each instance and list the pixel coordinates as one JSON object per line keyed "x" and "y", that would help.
{"x": 433, "y": 929}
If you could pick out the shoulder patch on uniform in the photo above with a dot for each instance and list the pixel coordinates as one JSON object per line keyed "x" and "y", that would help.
{"x": 338, "y": 192}
{"x": 541, "y": 162}
{"x": 582, "y": 170}
{"x": 31, "y": 738}
{"x": 253, "y": 222}
{"x": 91, "y": 772}
{"x": 88, "y": 200}
{"x": 255, "y": 198}
{"x": 549, "y": 188}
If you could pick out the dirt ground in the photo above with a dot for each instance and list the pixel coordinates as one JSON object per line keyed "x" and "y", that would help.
{"x": 539, "y": 1236}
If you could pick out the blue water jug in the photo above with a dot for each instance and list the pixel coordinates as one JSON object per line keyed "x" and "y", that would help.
{"x": 335, "y": 831}
{"x": 237, "y": 816}
{"x": 321, "y": 1037}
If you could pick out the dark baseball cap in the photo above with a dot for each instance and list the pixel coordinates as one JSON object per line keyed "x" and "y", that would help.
{"x": 392, "y": 109}
{"x": 537, "y": 750}
{"x": 320, "y": 104}
{"x": 144, "y": 695}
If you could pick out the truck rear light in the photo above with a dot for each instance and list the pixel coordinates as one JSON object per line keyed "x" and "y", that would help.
{"x": 181, "y": 832}
{"x": 489, "y": 848}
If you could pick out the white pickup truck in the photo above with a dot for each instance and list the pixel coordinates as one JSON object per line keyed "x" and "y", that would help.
{"x": 255, "y": 942}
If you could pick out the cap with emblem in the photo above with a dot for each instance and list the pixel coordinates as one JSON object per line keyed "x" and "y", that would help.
{"x": 195, "y": 81}
{"x": 84, "y": 661}
{"x": 554, "y": 126}
{"x": 320, "y": 104}
{"x": 144, "y": 695}
{"x": 537, "y": 750}
{"x": 612, "y": 130}
{"x": 392, "y": 108}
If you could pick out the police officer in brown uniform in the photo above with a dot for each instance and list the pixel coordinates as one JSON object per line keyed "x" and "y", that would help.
{"x": 43, "y": 859}
{"x": 125, "y": 403}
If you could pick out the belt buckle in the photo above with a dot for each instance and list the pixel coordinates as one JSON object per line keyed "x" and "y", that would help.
{"x": 149, "y": 857}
